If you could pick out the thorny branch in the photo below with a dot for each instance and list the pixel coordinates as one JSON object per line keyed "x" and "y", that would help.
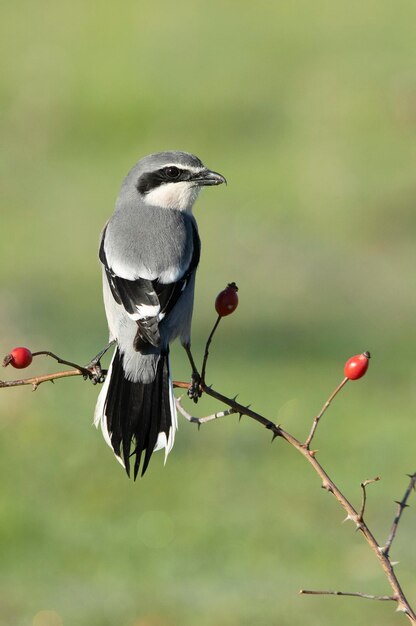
{"x": 93, "y": 372}
{"x": 401, "y": 507}
{"x": 35, "y": 381}
{"x": 328, "y": 484}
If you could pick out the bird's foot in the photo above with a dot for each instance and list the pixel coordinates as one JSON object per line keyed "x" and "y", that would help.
{"x": 97, "y": 374}
{"x": 195, "y": 389}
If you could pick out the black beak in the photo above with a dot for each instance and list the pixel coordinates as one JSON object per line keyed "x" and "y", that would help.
{"x": 207, "y": 178}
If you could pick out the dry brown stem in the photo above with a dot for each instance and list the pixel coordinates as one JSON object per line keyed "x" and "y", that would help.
{"x": 355, "y": 594}
{"x": 364, "y": 500}
{"x": 35, "y": 381}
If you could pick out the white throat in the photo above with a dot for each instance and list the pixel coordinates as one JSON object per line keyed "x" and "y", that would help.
{"x": 180, "y": 196}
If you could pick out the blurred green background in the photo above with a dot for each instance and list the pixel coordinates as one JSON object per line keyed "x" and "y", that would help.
{"x": 309, "y": 110}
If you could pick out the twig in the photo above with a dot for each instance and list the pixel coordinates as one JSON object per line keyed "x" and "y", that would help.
{"x": 35, "y": 381}
{"x": 207, "y": 345}
{"x": 364, "y": 500}
{"x": 179, "y": 384}
{"x": 402, "y": 504}
{"x": 201, "y": 420}
{"x": 357, "y": 594}
{"x": 83, "y": 370}
{"x": 322, "y": 411}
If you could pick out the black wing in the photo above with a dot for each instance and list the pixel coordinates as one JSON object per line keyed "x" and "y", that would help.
{"x": 132, "y": 294}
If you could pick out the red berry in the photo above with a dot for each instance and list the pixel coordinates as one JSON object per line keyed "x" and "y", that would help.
{"x": 19, "y": 358}
{"x": 227, "y": 300}
{"x": 357, "y": 366}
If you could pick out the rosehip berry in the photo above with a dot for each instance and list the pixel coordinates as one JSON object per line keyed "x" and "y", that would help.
{"x": 19, "y": 358}
{"x": 227, "y": 300}
{"x": 357, "y": 366}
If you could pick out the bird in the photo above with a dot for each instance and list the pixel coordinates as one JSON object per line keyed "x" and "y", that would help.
{"x": 149, "y": 252}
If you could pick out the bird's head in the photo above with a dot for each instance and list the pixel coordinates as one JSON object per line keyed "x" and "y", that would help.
{"x": 170, "y": 180}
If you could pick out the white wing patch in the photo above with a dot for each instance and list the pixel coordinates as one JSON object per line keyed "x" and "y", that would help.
{"x": 146, "y": 310}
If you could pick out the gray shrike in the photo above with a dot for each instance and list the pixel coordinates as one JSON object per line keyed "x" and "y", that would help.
{"x": 149, "y": 252}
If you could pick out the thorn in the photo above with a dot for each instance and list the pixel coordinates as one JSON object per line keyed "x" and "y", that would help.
{"x": 313, "y": 452}
{"x": 394, "y": 563}
{"x": 275, "y": 435}
{"x": 235, "y": 397}
{"x": 248, "y": 406}
{"x": 199, "y": 426}
{"x": 240, "y": 415}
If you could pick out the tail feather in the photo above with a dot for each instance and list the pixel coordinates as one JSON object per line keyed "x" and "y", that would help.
{"x": 137, "y": 417}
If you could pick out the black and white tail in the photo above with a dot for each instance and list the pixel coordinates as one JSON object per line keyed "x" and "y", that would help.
{"x": 137, "y": 418}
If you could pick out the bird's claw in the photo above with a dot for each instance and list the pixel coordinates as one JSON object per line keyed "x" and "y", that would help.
{"x": 195, "y": 390}
{"x": 97, "y": 374}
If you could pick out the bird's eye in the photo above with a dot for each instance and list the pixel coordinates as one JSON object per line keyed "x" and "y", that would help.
{"x": 172, "y": 172}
